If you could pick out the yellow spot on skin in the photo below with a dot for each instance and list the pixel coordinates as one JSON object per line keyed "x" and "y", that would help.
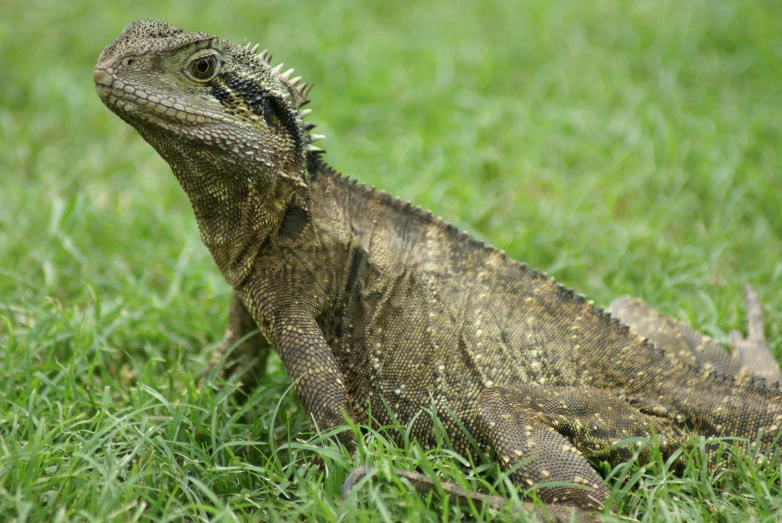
{"x": 545, "y": 474}
{"x": 506, "y": 458}
{"x": 529, "y": 481}
{"x": 517, "y": 452}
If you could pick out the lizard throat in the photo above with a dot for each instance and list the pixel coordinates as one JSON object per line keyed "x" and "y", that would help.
{"x": 237, "y": 210}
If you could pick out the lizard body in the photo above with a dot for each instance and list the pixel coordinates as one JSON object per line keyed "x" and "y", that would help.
{"x": 369, "y": 300}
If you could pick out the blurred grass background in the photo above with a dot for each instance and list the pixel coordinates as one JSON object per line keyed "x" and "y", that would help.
{"x": 623, "y": 147}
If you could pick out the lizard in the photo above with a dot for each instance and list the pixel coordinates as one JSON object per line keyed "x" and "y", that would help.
{"x": 369, "y": 300}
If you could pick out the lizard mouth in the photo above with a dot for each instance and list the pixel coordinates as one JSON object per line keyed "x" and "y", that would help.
{"x": 125, "y": 98}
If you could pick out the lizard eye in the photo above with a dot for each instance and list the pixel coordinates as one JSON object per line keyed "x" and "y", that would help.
{"x": 203, "y": 68}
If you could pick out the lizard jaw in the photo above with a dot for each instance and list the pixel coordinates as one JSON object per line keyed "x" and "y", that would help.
{"x": 120, "y": 96}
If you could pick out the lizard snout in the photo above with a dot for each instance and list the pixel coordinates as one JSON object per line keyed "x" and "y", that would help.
{"x": 101, "y": 77}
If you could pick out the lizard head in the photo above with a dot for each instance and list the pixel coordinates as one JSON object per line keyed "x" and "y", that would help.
{"x": 196, "y": 98}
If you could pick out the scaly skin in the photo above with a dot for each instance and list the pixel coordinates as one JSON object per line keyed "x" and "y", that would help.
{"x": 368, "y": 299}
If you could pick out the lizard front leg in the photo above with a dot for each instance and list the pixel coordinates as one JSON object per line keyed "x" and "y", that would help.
{"x": 312, "y": 369}
{"x": 248, "y": 348}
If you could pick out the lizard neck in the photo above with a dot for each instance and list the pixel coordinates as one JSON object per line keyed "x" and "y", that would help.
{"x": 238, "y": 205}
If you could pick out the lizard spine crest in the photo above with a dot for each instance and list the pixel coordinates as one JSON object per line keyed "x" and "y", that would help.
{"x": 298, "y": 91}
{"x": 754, "y": 384}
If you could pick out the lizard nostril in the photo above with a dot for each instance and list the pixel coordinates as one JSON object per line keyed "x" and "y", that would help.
{"x": 100, "y": 76}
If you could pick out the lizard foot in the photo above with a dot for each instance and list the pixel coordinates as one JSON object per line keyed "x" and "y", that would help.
{"x": 753, "y": 352}
{"x": 423, "y": 484}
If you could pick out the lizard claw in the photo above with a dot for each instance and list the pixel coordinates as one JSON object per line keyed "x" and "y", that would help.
{"x": 357, "y": 475}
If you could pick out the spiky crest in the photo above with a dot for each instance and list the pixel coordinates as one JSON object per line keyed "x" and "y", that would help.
{"x": 298, "y": 91}
{"x": 756, "y": 385}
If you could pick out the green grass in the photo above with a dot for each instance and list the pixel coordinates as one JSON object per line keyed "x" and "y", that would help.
{"x": 624, "y": 147}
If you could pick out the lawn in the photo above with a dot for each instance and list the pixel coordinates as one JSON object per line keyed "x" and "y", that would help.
{"x": 623, "y": 147}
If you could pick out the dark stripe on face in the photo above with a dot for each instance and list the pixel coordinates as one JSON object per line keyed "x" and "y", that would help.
{"x": 235, "y": 93}
{"x": 250, "y": 93}
{"x": 277, "y": 114}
